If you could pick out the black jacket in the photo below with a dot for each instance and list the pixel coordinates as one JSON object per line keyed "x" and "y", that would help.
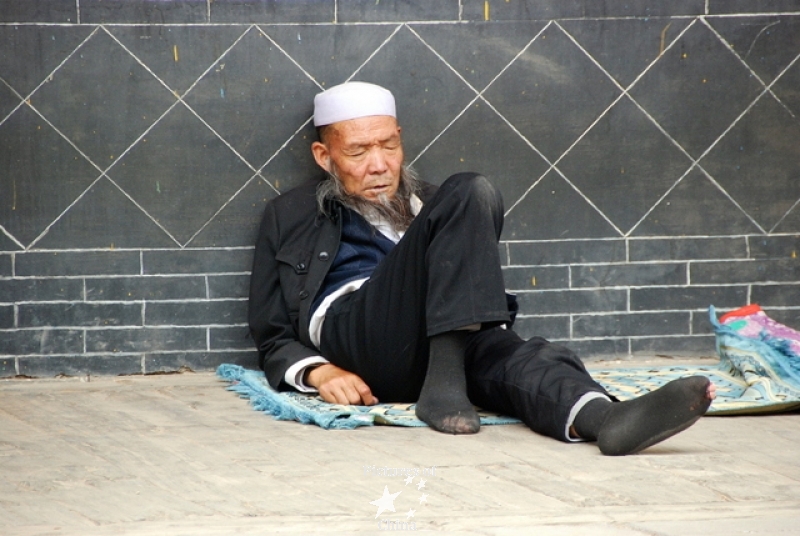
{"x": 294, "y": 250}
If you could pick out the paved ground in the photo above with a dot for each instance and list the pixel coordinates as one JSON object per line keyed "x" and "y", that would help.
{"x": 180, "y": 455}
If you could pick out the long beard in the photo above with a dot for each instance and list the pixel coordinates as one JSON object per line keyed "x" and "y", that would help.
{"x": 396, "y": 211}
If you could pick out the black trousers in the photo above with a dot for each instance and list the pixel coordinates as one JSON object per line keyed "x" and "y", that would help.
{"x": 445, "y": 274}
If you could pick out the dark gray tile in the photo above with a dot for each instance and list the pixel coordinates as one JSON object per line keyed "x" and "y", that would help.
{"x": 6, "y": 316}
{"x": 552, "y": 84}
{"x": 115, "y": 118}
{"x": 695, "y": 207}
{"x": 330, "y": 53}
{"x": 599, "y": 349}
{"x": 77, "y": 263}
{"x": 616, "y": 275}
{"x": 761, "y": 270}
{"x": 5, "y": 265}
{"x": 682, "y": 298}
{"x": 630, "y": 325}
{"x": 699, "y": 346}
{"x": 198, "y": 361}
{"x": 567, "y": 252}
{"x": 32, "y": 290}
{"x": 145, "y": 288}
{"x": 624, "y": 157}
{"x": 43, "y": 342}
{"x": 273, "y": 11}
{"x": 178, "y": 55}
{"x": 181, "y": 173}
{"x": 44, "y": 47}
{"x": 79, "y": 314}
{"x": 64, "y": 11}
{"x": 237, "y": 223}
{"x": 657, "y": 249}
{"x": 554, "y": 9}
{"x": 697, "y": 78}
{"x": 549, "y": 327}
{"x": 554, "y": 210}
{"x": 428, "y": 94}
{"x": 244, "y": 98}
{"x": 294, "y": 164}
{"x": 104, "y": 218}
{"x": 536, "y": 277}
{"x": 774, "y": 247}
{"x": 701, "y": 325}
{"x": 716, "y": 7}
{"x": 33, "y": 154}
{"x": 479, "y": 51}
{"x": 145, "y": 340}
{"x": 143, "y": 11}
{"x": 791, "y": 222}
{"x": 234, "y": 338}
{"x": 481, "y": 141}
{"x": 80, "y": 365}
{"x": 197, "y": 313}
{"x": 8, "y": 367}
{"x": 766, "y": 44}
{"x": 787, "y": 88}
{"x": 228, "y": 286}
{"x": 572, "y": 301}
{"x": 9, "y": 100}
{"x": 397, "y": 10}
{"x": 776, "y": 295}
{"x": 762, "y": 144}
{"x": 625, "y": 47}
{"x": 190, "y": 261}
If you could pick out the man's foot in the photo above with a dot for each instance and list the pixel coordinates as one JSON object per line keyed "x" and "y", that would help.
{"x": 634, "y": 425}
{"x": 443, "y": 404}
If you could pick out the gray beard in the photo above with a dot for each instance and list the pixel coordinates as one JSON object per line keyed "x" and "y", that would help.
{"x": 395, "y": 211}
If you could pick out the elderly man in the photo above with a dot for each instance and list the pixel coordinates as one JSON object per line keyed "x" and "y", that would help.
{"x": 371, "y": 284}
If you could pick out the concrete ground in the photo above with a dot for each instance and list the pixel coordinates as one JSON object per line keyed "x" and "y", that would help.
{"x": 180, "y": 455}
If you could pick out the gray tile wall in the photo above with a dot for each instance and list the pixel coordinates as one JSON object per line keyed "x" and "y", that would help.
{"x": 648, "y": 153}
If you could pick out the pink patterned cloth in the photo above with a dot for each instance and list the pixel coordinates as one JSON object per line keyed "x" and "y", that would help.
{"x": 752, "y": 322}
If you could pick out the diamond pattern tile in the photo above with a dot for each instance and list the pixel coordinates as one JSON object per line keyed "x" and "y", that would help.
{"x": 624, "y": 164}
{"x": 711, "y": 85}
{"x": 102, "y": 99}
{"x": 180, "y": 185}
{"x": 104, "y": 218}
{"x": 297, "y": 158}
{"x": 790, "y": 223}
{"x": 248, "y": 98}
{"x": 764, "y": 144}
{"x": 6, "y": 244}
{"x": 552, "y": 93}
{"x": 766, "y": 44}
{"x": 330, "y": 54}
{"x": 695, "y": 208}
{"x": 428, "y": 94}
{"x": 554, "y": 210}
{"x": 479, "y": 51}
{"x": 787, "y": 88}
{"x": 237, "y": 223}
{"x": 465, "y": 146}
{"x": 178, "y": 55}
{"x": 40, "y": 175}
{"x": 45, "y": 47}
{"x": 8, "y": 101}
{"x": 625, "y": 47}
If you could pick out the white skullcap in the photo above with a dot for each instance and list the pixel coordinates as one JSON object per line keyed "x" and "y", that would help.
{"x": 352, "y": 100}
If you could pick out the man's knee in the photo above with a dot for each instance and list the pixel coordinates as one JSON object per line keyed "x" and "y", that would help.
{"x": 476, "y": 186}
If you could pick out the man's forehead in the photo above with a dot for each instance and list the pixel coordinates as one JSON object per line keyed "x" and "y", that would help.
{"x": 365, "y": 129}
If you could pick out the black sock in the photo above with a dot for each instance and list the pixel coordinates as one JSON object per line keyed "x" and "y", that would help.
{"x": 636, "y": 424}
{"x": 443, "y": 403}
{"x": 590, "y": 418}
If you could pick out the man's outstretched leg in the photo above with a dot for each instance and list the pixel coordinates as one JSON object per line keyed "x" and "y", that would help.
{"x": 628, "y": 427}
{"x": 443, "y": 402}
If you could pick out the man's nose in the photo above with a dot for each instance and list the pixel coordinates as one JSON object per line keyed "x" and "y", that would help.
{"x": 377, "y": 161}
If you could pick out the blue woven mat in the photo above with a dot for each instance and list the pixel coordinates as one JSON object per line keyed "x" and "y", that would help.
{"x": 753, "y": 376}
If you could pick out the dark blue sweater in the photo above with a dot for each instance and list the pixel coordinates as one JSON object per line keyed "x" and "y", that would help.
{"x": 361, "y": 248}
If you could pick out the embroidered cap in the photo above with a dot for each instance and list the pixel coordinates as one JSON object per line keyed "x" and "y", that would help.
{"x": 352, "y": 100}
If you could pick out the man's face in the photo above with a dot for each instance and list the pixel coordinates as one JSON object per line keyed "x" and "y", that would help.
{"x": 366, "y": 154}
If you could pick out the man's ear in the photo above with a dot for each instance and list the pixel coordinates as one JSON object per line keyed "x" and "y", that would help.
{"x": 322, "y": 155}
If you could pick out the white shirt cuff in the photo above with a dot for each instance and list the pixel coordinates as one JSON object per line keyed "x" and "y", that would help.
{"x": 294, "y": 374}
{"x": 582, "y": 401}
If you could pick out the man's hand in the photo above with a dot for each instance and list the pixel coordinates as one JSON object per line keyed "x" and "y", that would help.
{"x": 337, "y": 386}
